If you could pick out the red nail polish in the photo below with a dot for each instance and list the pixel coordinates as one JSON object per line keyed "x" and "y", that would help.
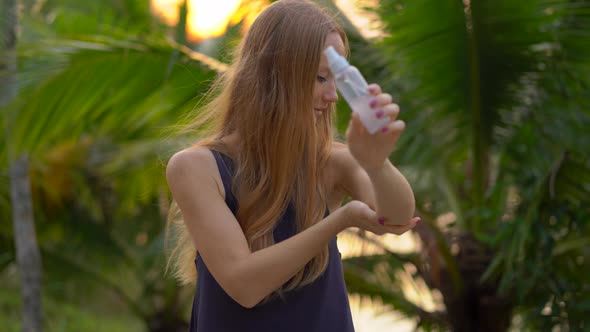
{"x": 379, "y": 114}
{"x": 384, "y": 129}
{"x": 381, "y": 221}
{"x": 373, "y": 103}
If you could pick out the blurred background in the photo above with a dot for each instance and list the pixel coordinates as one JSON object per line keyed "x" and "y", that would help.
{"x": 495, "y": 94}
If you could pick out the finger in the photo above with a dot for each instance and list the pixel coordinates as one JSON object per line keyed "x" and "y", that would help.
{"x": 356, "y": 124}
{"x": 380, "y": 100}
{"x": 394, "y": 128}
{"x": 399, "y": 229}
{"x": 396, "y": 229}
{"x": 391, "y": 111}
{"x": 369, "y": 214}
{"x": 374, "y": 89}
{"x": 412, "y": 221}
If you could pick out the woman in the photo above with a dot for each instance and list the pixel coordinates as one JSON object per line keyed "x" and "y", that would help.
{"x": 260, "y": 198}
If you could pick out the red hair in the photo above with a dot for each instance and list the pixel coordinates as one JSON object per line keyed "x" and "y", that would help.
{"x": 266, "y": 98}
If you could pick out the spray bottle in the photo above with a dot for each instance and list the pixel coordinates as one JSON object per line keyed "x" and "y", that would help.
{"x": 354, "y": 88}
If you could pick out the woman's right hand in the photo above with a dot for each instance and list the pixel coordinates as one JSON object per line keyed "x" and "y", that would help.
{"x": 358, "y": 214}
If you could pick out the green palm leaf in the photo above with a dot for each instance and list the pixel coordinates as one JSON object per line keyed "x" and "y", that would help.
{"x": 460, "y": 71}
{"x": 102, "y": 90}
{"x": 376, "y": 276}
{"x": 495, "y": 94}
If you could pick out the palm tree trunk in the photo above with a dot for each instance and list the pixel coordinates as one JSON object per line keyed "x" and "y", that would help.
{"x": 471, "y": 305}
{"x": 25, "y": 239}
{"x": 478, "y": 306}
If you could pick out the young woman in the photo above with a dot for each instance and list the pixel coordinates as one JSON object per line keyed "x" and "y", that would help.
{"x": 260, "y": 197}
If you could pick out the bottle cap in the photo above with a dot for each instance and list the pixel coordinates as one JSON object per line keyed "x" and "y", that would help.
{"x": 336, "y": 61}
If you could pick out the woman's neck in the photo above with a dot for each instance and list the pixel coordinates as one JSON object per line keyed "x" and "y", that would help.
{"x": 230, "y": 143}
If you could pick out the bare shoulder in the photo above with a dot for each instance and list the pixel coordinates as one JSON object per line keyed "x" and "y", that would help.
{"x": 193, "y": 165}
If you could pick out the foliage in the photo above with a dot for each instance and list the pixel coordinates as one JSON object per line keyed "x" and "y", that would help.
{"x": 67, "y": 316}
{"x": 495, "y": 94}
{"x": 97, "y": 101}
{"x": 496, "y": 97}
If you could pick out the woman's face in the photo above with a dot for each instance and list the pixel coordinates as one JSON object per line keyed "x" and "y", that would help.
{"x": 324, "y": 92}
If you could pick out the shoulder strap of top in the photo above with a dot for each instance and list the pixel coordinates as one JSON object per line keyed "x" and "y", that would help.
{"x": 225, "y": 166}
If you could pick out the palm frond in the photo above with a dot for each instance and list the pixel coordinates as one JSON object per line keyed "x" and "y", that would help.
{"x": 376, "y": 277}
{"x": 102, "y": 88}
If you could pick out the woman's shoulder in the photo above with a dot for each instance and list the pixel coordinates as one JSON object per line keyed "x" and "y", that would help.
{"x": 197, "y": 163}
{"x": 191, "y": 159}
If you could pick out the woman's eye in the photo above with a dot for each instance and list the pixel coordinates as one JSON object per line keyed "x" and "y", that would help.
{"x": 322, "y": 79}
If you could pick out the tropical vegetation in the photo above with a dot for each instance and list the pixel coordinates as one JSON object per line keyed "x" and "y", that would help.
{"x": 496, "y": 97}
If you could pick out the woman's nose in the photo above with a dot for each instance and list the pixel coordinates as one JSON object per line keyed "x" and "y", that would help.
{"x": 330, "y": 95}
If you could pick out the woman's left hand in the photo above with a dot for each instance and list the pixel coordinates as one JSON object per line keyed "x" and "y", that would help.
{"x": 371, "y": 151}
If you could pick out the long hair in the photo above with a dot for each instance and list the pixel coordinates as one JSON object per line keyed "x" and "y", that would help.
{"x": 266, "y": 98}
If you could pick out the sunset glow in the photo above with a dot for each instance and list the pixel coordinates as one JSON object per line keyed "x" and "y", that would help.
{"x": 208, "y": 18}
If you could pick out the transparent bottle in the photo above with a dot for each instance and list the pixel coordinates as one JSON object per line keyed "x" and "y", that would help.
{"x": 354, "y": 88}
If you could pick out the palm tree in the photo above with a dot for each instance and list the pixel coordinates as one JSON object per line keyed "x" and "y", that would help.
{"x": 91, "y": 111}
{"x": 496, "y": 96}
{"x": 25, "y": 239}
{"x": 88, "y": 113}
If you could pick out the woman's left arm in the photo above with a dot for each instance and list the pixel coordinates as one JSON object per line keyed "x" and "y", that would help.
{"x": 385, "y": 190}
{"x": 369, "y": 168}
{"x": 394, "y": 199}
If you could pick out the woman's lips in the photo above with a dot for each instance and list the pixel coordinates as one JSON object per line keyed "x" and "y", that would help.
{"x": 319, "y": 111}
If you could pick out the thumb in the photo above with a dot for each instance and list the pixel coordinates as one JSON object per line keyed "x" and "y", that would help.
{"x": 355, "y": 123}
{"x": 368, "y": 213}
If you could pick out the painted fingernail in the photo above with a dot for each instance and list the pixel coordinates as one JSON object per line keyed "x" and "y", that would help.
{"x": 384, "y": 129}
{"x": 382, "y": 221}
{"x": 373, "y": 103}
{"x": 379, "y": 114}
{"x": 372, "y": 89}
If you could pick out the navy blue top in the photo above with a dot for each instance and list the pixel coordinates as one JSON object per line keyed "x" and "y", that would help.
{"x": 320, "y": 306}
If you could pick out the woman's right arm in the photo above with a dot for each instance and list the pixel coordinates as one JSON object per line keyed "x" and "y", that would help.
{"x": 248, "y": 277}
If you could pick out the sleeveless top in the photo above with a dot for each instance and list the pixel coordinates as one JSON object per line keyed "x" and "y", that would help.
{"x": 320, "y": 306}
